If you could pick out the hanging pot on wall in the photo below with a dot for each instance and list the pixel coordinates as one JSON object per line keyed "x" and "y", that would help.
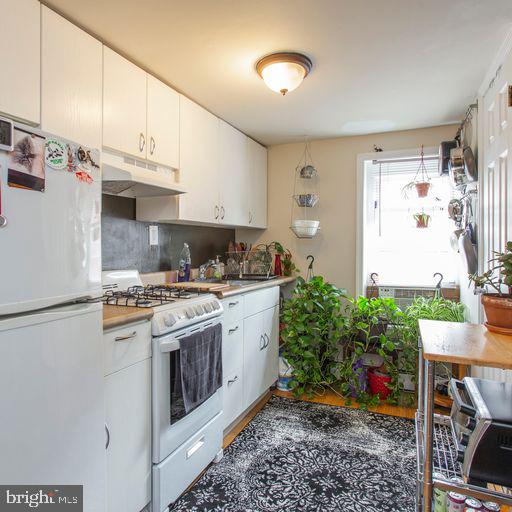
{"x": 468, "y": 252}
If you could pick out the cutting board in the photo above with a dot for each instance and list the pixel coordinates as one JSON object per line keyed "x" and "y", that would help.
{"x": 201, "y": 287}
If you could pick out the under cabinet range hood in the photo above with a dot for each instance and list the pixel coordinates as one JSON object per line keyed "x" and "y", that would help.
{"x": 127, "y": 176}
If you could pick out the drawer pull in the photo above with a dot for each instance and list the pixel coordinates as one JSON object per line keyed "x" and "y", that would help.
{"x": 195, "y": 447}
{"x": 127, "y": 337}
{"x": 107, "y": 431}
{"x": 233, "y": 304}
{"x": 262, "y": 342}
{"x": 231, "y": 331}
{"x": 232, "y": 381}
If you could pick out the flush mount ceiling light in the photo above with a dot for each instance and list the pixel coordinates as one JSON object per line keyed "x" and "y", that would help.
{"x": 284, "y": 72}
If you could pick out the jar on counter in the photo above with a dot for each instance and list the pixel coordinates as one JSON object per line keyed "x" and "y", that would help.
{"x": 439, "y": 494}
{"x": 490, "y": 506}
{"x": 473, "y": 504}
{"x": 455, "y": 502}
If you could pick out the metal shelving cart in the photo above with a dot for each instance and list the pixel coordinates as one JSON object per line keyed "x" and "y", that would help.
{"x": 466, "y": 344}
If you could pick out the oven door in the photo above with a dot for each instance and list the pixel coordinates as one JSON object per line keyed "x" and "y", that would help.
{"x": 171, "y": 426}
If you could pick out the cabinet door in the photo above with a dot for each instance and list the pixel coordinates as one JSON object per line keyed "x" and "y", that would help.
{"x": 128, "y": 418}
{"x": 198, "y": 163}
{"x": 20, "y": 55}
{"x": 270, "y": 331}
{"x": 232, "y": 397}
{"x": 257, "y": 162}
{"x": 163, "y": 123}
{"x": 124, "y": 105}
{"x": 233, "y": 175}
{"x": 71, "y": 86}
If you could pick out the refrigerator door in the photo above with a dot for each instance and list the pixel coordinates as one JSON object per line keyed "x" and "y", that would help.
{"x": 50, "y": 247}
{"x": 52, "y": 399}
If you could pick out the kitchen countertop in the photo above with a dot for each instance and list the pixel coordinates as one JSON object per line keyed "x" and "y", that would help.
{"x": 236, "y": 290}
{"x": 117, "y": 316}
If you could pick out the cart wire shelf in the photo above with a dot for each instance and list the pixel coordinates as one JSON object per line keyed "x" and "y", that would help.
{"x": 445, "y": 462}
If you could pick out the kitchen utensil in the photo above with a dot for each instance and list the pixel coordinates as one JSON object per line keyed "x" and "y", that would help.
{"x": 306, "y": 200}
{"x": 470, "y": 167}
{"x": 468, "y": 252}
{"x": 456, "y": 167}
{"x": 307, "y": 172}
{"x": 455, "y": 209}
{"x": 305, "y": 228}
{"x": 454, "y": 239}
{"x": 444, "y": 155}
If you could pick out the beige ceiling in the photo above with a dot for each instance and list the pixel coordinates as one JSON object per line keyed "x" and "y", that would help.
{"x": 379, "y": 65}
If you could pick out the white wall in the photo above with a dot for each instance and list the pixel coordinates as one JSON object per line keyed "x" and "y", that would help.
{"x": 334, "y": 247}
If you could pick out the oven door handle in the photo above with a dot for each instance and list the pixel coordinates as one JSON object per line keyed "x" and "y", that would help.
{"x": 169, "y": 346}
{"x": 464, "y": 407}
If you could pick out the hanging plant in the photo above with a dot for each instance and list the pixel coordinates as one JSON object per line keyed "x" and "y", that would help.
{"x": 421, "y": 180}
{"x": 422, "y": 220}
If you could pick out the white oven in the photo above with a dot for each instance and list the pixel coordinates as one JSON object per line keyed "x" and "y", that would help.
{"x": 183, "y": 444}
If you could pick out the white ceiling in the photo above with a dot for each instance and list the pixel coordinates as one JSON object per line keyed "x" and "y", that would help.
{"x": 379, "y": 65}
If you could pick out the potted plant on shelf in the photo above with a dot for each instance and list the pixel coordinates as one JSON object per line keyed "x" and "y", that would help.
{"x": 313, "y": 323}
{"x": 422, "y": 220}
{"x": 497, "y": 305}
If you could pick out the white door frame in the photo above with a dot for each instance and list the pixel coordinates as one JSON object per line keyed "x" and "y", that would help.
{"x": 361, "y": 201}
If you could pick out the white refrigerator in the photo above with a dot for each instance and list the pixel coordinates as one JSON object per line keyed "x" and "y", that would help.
{"x": 51, "y": 360}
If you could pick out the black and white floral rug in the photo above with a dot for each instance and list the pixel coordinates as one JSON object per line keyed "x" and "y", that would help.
{"x": 300, "y": 456}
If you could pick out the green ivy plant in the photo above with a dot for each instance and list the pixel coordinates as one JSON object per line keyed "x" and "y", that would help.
{"x": 313, "y": 323}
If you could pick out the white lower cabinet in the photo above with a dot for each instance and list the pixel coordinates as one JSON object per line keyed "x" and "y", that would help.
{"x": 261, "y": 347}
{"x": 128, "y": 424}
{"x": 250, "y": 346}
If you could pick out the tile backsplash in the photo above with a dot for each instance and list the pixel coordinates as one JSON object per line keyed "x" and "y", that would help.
{"x": 125, "y": 241}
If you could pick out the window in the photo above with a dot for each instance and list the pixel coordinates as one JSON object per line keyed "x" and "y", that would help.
{"x": 395, "y": 246}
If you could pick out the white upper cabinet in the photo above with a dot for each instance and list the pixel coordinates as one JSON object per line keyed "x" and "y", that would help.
{"x": 163, "y": 123}
{"x": 257, "y": 163}
{"x": 124, "y": 105}
{"x": 71, "y": 86}
{"x": 20, "y": 54}
{"x": 233, "y": 175}
{"x": 198, "y": 163}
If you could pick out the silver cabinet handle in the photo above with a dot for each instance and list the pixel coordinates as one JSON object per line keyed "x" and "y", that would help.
{"x": 262, "y": 339}
{"x": 232, "y": 381}
{"x": 107, "y": 443}
{"x": 250, "y": 217}
{"x": 142, "y": 142}
{"x": 231, "y": 331}
{"x": 222, "y": 212}
{"x": 195, "y": 447}
{"x": 152, "y": 145}
{"x": 266, "y": 340}
{"x": 216, "y": 212}
{"x": 233, "y": 304}
{"x": 127, "y": 337}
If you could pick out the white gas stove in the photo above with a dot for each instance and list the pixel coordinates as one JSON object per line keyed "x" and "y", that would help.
{"x": 174, "y": 308}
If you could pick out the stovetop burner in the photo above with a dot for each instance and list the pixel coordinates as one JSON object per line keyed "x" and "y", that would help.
{"x": 146, "y": 296}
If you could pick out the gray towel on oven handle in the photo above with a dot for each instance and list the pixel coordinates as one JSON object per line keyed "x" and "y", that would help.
{"x": 201, "y": 365}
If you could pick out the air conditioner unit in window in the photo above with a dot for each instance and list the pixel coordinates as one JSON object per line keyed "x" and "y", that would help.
{"x": 404, "y": 295}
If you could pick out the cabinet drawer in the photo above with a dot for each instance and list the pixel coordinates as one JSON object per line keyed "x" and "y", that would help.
{"x": 125, "y": 346}
{"x": 191, "y": 458}
{"x": 233, "y": 309}
{"x": 232, "y": 397}
{"x": 260, "y": 300}
{"x": 232, "y": 346}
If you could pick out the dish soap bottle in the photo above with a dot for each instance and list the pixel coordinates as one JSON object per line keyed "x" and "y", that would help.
{"x": 185, "y": 261}
{"x": 217, "y": 274}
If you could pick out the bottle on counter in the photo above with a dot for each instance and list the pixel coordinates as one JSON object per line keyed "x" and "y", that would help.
{"x": 184, "y": 265}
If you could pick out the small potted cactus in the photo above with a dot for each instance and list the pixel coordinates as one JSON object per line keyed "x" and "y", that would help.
{"x": 422, "y": 220}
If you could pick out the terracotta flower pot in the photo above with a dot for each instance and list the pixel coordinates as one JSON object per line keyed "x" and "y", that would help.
{"x": 498, "y": 311}
{"x": 422, "y": 188}
{"x": 421, "y": 224}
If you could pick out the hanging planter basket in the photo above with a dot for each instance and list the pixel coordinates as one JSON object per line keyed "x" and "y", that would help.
{"x": 422, "y": 188}
{"x": 422, "y": 220}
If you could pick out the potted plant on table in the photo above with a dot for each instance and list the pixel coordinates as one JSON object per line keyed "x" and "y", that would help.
{"x": 497, "y": 304}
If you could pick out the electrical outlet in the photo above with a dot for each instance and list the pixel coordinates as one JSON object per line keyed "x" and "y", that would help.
{"x": 153, "y": 235}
